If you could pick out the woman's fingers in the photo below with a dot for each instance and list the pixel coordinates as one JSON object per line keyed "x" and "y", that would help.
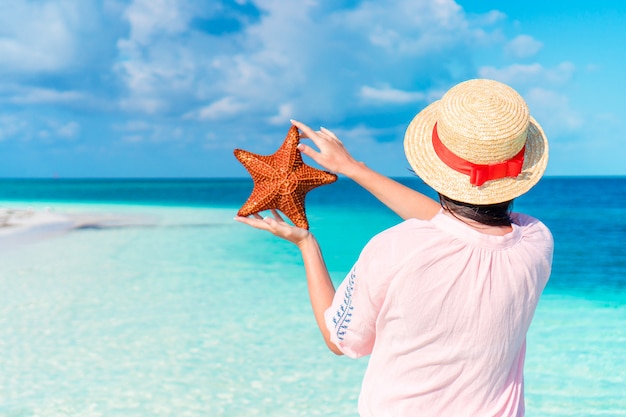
{"x": 277, "y": 215}
{"x": 326, "y": 136}
{"x": 308, "y": 151}
{"x": 307, "y": 132}
{"x": 265, "y": 223}
{"x": 330, "y": 153}
{"x": 319, "y": 138}
{"x": 275, "y": 225}
{"x": 256, "y": 222}
{"x": 330, "y": 134}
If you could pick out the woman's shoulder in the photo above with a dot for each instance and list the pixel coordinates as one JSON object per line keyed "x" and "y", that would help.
{"x": 403, "y": 235}
{"x": 406, "y": 227}
{"x": 533, "y": 229}
{"x": 529, "y": 223}
{"x": 391, "y": 248}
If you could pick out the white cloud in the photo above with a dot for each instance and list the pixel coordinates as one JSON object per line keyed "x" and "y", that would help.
{"x": 224, "y": 107}
{"x": 55, "y": 52}
{"x": 490, "y": 18}
{"x": 24, "y": 128}
{"x": 153, "y": 133}
{"x": 531, "y": 74}
{"x": 523, "y": 46}
{"x": 358, "y": 62}
{"x": 54, "y": 129}
{"x": 361, "y": 134}
{"x": 146, "y": 105}
{"x": 133, "y": 126}
{"x": 149, "y": 18}
{"x": 409, "y": 27}
{"x": 68, "y": 130}
{"x": 553, "y": 112}
{"x": 163, "y": 62}
{"x": 11, "y": 126}
{"x": 143, "y": 131}
{"x": 40, "y": 37}
{"x": 34, "y": 95}
{"x": 388, "y": 95}
{"x": 308, "y": 54}
{"x": 133, "y": 138}
{"x": 181, "y": 68}
{"x": 285, "y": 112}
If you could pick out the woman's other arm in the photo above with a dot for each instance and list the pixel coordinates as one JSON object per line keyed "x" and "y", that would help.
{"x": 321, "y": 288}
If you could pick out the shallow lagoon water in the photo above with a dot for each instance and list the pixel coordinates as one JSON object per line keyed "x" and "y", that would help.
{"x": 179, "y": 310}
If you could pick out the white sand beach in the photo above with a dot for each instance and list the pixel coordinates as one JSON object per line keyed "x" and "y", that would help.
{"x": 25, "y": 225}
{"x": 17, "y": 225}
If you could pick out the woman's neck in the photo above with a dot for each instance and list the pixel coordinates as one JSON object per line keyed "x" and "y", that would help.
{"x": 480, "y": 227}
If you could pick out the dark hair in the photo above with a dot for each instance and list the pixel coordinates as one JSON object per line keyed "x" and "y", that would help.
{"x": 489, "y": 214}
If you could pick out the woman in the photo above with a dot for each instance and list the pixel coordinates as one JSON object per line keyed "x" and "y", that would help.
{"x": 442, "y": 302}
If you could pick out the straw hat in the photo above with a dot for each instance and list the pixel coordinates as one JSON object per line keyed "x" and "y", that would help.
{"x": 478, "y": 144}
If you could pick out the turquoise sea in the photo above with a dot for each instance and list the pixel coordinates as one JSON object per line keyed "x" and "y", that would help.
{"x": 165, "y": 306}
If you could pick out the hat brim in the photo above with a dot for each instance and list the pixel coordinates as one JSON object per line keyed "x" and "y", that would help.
{"x": 420, "y": 153}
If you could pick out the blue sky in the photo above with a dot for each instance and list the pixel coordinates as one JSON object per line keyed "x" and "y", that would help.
{"x": 168, "y": 88}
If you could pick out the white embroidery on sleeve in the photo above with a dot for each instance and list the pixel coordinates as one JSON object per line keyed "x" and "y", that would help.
{"x": 343, "y": 316}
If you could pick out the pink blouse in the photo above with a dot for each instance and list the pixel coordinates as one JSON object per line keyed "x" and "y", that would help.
{"x": 443, "y": 310}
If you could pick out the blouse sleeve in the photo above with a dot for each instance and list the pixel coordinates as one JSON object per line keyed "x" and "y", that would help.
{"x": 351, "y": 319}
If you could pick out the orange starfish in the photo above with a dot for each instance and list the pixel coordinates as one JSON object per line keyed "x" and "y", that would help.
{"x": 281, "y": 180}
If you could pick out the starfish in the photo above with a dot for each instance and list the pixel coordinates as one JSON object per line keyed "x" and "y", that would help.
{"x": 281, "y": 180}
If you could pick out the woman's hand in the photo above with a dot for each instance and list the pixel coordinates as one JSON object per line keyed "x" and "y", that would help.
{"x": 332, "y": 153}
{"x": 277, "y": 226}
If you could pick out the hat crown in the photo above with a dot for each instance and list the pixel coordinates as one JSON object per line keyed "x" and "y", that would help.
{"x": 483, "y": 121}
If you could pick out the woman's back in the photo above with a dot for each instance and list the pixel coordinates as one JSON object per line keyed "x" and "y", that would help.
{"x": 443, "y": 310}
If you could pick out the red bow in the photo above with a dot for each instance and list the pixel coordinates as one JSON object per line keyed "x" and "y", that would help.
{"x": 479, "y": 174}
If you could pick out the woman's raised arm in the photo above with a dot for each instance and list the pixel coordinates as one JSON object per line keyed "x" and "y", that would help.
{"x": 332, "y": 155}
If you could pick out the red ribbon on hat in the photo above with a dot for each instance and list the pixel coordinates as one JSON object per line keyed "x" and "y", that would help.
{"x": 479, "y": 174}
